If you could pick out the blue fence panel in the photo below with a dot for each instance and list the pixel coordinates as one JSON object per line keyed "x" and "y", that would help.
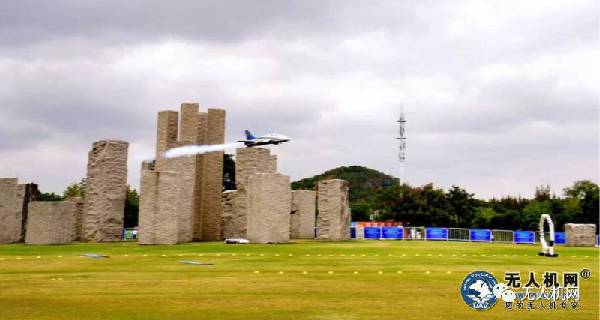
{"x": 524, "y": 237}
{"x": 392, "y": 232}
{"x": 480, "y": 235}
{"x": 372, "y": 232}
{"x": 560, "y": 238}
{"x": 352, "y": 233}
{"x": 436, "y": 234}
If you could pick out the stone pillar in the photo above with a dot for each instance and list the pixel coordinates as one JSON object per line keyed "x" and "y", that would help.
{"x": 185, "y": 172}
{"x": 269, "y": 204}
{"x": 233, "y": 220}
{"x": 188, "y": 123}
{"x": 148, "y": 199}
{"x": 105, "y": 191}
{"x": 166, "y": 135}
{"x": 302, "y": 217}
{"x": 78, "y": 216}
{"x": 580, "y": 234}
{"x": 333, "y": 220}
{"x": 200, "y": 139}
{"x": 50, "y": 222}
{"x": 212, "y": 178}
{"x": 167, "y": 224}
{"x": 11, "y": 215}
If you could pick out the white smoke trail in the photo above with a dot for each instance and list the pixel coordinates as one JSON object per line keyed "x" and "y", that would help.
{"x": 200, "y": 149}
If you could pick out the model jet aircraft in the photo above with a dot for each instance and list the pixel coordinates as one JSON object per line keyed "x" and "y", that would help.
{"x": 271, "y": 138}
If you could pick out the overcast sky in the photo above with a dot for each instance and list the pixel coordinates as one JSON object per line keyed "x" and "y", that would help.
{"x": 500, "y": 96}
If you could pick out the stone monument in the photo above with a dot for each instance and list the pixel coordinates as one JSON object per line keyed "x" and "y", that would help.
{"x": 333, "y": 219}
{"x": 105, "y": 191}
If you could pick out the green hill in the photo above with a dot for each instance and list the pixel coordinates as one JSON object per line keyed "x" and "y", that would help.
{"x": 363, "y": 184}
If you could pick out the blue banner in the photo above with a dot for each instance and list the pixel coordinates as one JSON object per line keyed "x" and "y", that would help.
{"x": 372, "y": 232}
{"x": 480, "y": 235}
{"x": 436, "y": 234}
{"x": 524, "y": 237}
{"x": 392, "y": 232}
{"x": 560, "y": 238}
{"x": 352, "y": 232}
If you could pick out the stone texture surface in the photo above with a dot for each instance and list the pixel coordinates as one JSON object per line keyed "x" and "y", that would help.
{"x": 250, "y": 161}
{"x": 188, "y": 123}
{"x": 105, "y": 191}
{"x": 11, "y": 215}
{"x": 580, "y": 235}
{"x": 303, "y": 214}
{"x": 148, "y": 199}
{"x": 233, "y": 220}
{"x": 166, "y": 133}
{"x": 269, "y": 205}
{"x": 50, "y": 222}
{"x": 333, "y": 219}
{"x": 78, "y": 216}
{"x": 25, "y": 194}
{"x": 200, "y": 139}
{"x": 212, "y": 178}
{"x": 159, "y": 221}
{"x": 185, "y": 173}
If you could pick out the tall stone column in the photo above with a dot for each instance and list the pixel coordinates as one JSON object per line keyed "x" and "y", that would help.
{"x": 105, "y": 191}
{"x": 185, "y": 173}
{"x": 269, "y": 204}
{"x": 202, "y": 127}
{"x": 302, "y": 217}
{"x": 148, "y": 204}
{"x": 212, "y": 177}
{"x": 11, "y": 216}
{"x": 166, "y": 134}
{"x": 333, "y": 221}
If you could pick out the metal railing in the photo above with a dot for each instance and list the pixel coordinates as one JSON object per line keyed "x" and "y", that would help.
{"x": 458, "y": 234}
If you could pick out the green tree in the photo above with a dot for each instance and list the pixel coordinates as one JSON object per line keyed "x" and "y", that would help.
{"x": 228, "y": 172}
{"x": 50, "y": 196}
{"x": 132, "y": 208}
{"x": 75, "y": 190}
{"x": 532, "y": 213}
{"x": 588, "y": 194}
{"x": 484, "y": 218}
{"x": 462, "y": 205}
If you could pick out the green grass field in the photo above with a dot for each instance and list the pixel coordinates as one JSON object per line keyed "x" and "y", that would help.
{"x": 302, "y": 280}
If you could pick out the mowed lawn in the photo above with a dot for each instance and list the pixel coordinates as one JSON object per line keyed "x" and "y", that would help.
{"x": 301, "y": 280}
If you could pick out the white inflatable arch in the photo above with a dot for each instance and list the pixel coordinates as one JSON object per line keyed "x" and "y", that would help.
{"x": 547, "y": 248}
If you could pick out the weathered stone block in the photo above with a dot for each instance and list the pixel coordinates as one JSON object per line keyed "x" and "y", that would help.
{"x": 105, "y": 191}
{"x": 188, "y": 123}
{"x": 166, "y": 135}
{"x": 333, "y": 219}
{"x": 159, "y": 221}
{"x": 185, "y": 169}
{"x": 212, "y": 178}
{"x": 50, "y": 222}
{"x": 580, "y": 235}
{"x": 303, "y": 214}
{"x": 25, "y": 194}
{"x": 234, "y": 220}
{"x": 78, "y": 217}
{"x": 249, "y": 161}
{"x": 11, "y": 215}
{"x": 269, "y": 205}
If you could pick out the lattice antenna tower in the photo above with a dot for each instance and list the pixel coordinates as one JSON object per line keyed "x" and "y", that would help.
{"x": 402, "y": 143}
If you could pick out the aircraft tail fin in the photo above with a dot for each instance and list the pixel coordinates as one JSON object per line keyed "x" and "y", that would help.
{"x": 249, "y": 135}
